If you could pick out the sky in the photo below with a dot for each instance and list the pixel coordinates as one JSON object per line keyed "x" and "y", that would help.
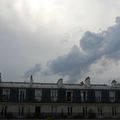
{"x": 52, "y": 39}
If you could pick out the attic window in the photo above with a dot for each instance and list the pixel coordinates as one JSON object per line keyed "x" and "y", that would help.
{"x": 112, "y": 96}
{"x": 38, "y": 94}
{"x": 69, "y": 96}
{"x": 98, "y": 96}
{"x": 6, "y": 93}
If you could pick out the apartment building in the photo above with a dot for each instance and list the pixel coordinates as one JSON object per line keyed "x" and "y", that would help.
{"x": 59, "y": 100}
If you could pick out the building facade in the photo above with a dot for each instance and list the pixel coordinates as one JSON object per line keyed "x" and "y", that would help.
{"x": 58, "y": 100}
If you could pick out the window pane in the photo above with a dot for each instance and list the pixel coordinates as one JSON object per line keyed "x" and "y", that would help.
{"x": 54, "y": 95}
{"x": 38, "y": 94}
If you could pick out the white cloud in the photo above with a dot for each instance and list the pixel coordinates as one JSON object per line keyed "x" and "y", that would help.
{"x": 33, "y": 31}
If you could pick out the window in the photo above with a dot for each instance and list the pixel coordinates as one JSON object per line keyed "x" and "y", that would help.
{"x": 85, "y": 113}
{"x": 100, "y": 112}
{"x": 53, "y": 95}
{"x": 6, "y": 94}
{"x": 22, "y": 94}
{"x": 3, "y": 111}
{"x": 69, "y": 111}
{"x": 112, "y": 96}
{"x": 98, "y": 96}
{"x": 37, "y": 109}
{"x": 69, "y": 95}
{"x": 21, "y": 111}
{"x": 114, "y": 111}
{"x": 38, "y": 94}
{"x": 84, "y": 95}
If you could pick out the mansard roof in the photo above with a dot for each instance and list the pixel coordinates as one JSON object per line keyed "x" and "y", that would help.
{"x": 55, "y": 85}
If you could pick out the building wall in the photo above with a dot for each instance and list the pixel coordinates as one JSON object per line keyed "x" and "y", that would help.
{"x": 62, "y": 108}
{"x": 70, "y": 102}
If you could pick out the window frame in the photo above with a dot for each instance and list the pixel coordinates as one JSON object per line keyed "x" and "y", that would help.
{"x": 71, "y": 96}
{"x": 22, "y": 94}
{"x": 38, "y": 97}
{"x": 54, "y": 95}
{"x": 98, "y": 96}
{"x": 112, "y": 96}
{"x": 6, "y": 93}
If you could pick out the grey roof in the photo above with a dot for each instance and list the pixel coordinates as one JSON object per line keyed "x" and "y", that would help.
{"x": 55, "y": 85}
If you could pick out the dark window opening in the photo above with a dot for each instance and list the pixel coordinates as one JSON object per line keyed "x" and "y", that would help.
{"x": 114, "y": 111}
{"x": 21, "y": 111}
{"x": 37, "y": 109}
{"x": 69, "y": 111}
{"x": 4, "y": 111}
{"x": 85, "y": 113}
{"x": 69, "y": 96}
{"x": 100, "y": 112}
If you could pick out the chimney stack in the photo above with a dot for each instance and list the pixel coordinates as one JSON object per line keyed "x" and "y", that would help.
{"x": 31, "y": 80}
{"x": 87, "y": 81}
{"x": 114, "y": 83}
{"x": 60, "y": 83}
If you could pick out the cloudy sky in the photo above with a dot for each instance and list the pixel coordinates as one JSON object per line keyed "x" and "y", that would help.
{"x": 60, "y": 38}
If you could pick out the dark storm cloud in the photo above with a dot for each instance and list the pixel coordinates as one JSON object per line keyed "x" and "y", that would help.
{"x": 93, "y": 47}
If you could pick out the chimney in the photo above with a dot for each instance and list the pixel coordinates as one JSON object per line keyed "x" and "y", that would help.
{"x": 87, "y": 81}
{"x": 0, "y": 78}
{"x": 114, "y": 83}
{"x": 31, "y": 80}
{"x": 81, "y": 83}
{"x": 60, "y": 83}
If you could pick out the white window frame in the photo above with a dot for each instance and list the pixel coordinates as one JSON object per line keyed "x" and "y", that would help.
{"x": 6, "y": 93}
{"x": 112, "y": 96}
{"x": 98, "y": 96}
{"x": 54, "y": 95}
{"x": 84, "y": 95}
{"x": 38, "y": 94}
{"x": 22, "y": 94}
